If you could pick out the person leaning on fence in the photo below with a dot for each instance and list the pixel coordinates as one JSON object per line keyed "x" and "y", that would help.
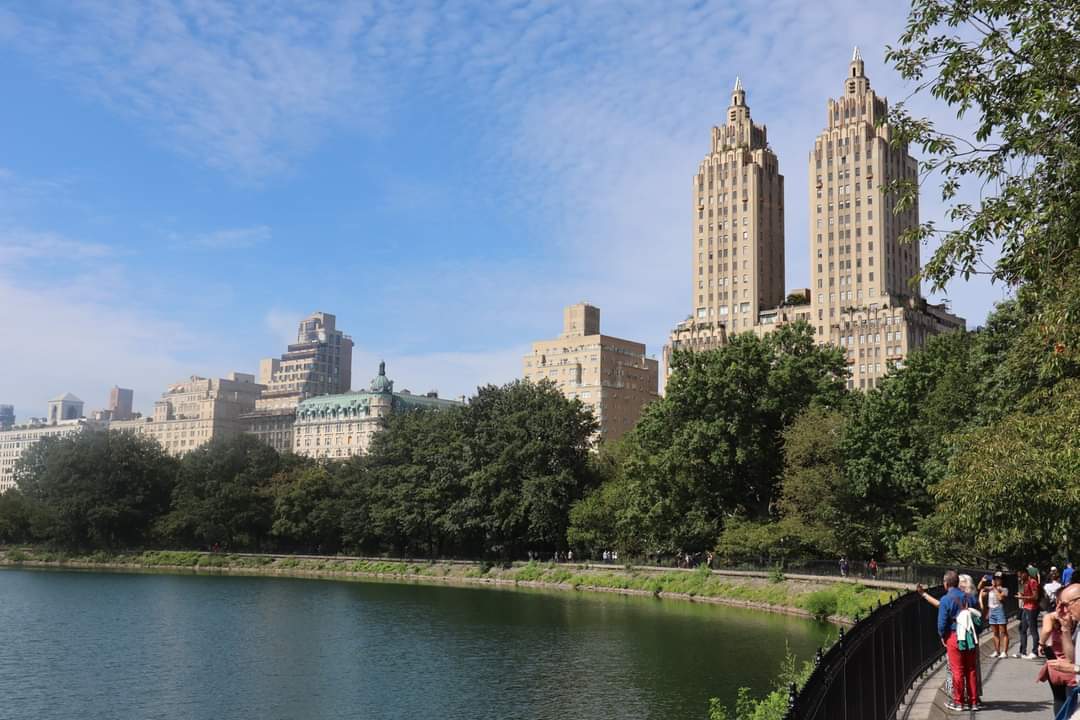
{"x": 1069, "y": 618}
{"x": 957, "y": 626}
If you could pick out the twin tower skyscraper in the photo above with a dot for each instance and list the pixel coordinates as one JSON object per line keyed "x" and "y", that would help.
{"x": 861, "y": 294}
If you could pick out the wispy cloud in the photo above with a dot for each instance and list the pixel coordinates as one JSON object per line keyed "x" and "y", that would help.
{"x": 233, "y": 238}
{"x": 20, "y": 244}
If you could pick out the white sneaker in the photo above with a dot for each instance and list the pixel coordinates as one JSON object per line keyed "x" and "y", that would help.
{"x": 994, "y": 654}
{"x": 1030, "y": 656}
{"x": 1017, "y": 655}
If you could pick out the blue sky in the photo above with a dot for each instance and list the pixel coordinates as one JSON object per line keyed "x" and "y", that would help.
{"x": 180, "y": 182}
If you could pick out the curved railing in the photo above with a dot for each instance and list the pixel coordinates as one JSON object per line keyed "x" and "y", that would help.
{"x": 871, "y": 668}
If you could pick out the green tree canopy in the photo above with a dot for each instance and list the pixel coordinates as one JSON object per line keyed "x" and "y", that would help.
{"x": 222, "y": 495}
{"x": 96, "y": 489}
{"x": 712, "y": 447}
{"x": 1014, "y": 67}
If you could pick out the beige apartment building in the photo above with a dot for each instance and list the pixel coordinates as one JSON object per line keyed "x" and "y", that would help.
{"x": 195, "y": 411}
{"x": 861, "y": 274}
{"x": 610, "y": 375}
{"x": 318, "y": 363}
{"x": 65, "y": 417}
{"x": 341, "y": 426}
{"x": 737, "y": 267}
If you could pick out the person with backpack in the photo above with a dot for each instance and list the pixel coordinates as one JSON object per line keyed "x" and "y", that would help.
{"x": 957, "y": 626}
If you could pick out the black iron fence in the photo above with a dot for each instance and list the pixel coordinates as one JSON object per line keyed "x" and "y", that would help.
{"x": 871, "y": 668}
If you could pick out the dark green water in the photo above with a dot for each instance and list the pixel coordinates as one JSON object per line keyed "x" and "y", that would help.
{"x": 118, "y": 646}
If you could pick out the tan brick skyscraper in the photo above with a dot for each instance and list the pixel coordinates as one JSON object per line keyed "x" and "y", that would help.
{"x": 863, "y": 299}
{"x": 737, "y": 262}
{"x": 738, "y": 199}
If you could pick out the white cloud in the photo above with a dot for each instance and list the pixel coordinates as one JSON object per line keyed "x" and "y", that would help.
{"x": 57, "y": 341}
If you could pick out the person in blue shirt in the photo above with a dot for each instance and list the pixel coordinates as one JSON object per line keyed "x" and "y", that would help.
{"x": 1066, "y": 575}
{"x": 962, "y": 663}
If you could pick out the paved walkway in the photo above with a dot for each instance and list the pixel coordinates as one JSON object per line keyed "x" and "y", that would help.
{"x": 1009, "y": 690}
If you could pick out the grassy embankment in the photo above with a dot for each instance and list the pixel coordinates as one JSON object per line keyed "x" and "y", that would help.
{"x": 824, "y": 599}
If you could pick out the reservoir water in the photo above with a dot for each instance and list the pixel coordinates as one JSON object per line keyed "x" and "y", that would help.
{"x": 118, "y": 646}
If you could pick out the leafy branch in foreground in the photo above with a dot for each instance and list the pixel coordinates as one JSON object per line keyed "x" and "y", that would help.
{"x": 1016, "y": 67}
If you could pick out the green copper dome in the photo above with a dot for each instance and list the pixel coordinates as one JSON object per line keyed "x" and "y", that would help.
{"x": 381, "y": 383}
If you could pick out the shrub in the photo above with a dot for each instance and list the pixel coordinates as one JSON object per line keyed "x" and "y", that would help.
{"x": 821, "y": 603}
{"x": 17, "y": 556}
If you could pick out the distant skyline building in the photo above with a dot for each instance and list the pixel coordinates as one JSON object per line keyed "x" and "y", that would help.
{"x": 341, "y": 426}
{"x": 196, "y": 411}
{"x": 318, "y": 363}
{"x": 64, "y": 407}
{"x": 737, "y": 234}
{"x": 7, "y": 417}
{"x": 864, "y": 299}
{"x": 612, "y": 376}
{"x": 120, "y": 403}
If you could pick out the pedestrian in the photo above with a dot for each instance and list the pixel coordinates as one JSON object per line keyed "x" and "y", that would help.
{"x": 872, "y": 567}
{"x": 1067, "y": 574}
{"x": 843, "y": 567}
{"x": 1069, "y": 619}
{"x": 957, "y": 613}
{"x": 1028, "y": 596}
{"x": 1050, "y": 590}
{"x": 994, "y": 598}
{"x": 569, "y": 556}
{"x": 1050, "y": 640}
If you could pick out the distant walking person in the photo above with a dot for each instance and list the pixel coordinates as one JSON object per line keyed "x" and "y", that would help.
{"x": 843, "y": 567}
{"x": 1067, "y": 574}
{"x": 1028, "y": 596}
{"x": 955, "y": 628}
{"x": 871, "y": 567}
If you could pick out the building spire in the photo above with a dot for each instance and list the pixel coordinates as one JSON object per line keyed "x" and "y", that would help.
{"x": 738, "y": 84}
{"x": 856, "y": 55}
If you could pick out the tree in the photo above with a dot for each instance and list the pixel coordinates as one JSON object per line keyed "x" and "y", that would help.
{"x": 1016, "y": 68}
{"x": 1012, "y": 489}
{"x": 815, "y": 495}
{"x": 222, "y": 495}
{"x": 411, "y": 494}
{"x": 96, "y": 489}
{"x": 308, "y": 508}
{"x": 897, "y": 443}
{"x": 529, "y": 448}
{"x": 712, "y": 447}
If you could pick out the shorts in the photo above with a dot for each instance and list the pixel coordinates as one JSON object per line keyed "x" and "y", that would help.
{"x": 997, "y": 615}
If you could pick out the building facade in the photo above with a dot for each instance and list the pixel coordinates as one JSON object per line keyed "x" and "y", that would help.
{"x": 610, "y": 375}
{"x": 318, "y": 363}
{"x": 7, "y": 417}
{"x": 737, "y": 267}
{"x": 864, "y": 297}
{"x": 120, "y": 403}
{"x": 341, "y": 426}
{"x": 196, "y": 411}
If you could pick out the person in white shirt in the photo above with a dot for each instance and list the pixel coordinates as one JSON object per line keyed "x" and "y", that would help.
{"x": 1051, "y": 588}
{"x": 993, "y": 596}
